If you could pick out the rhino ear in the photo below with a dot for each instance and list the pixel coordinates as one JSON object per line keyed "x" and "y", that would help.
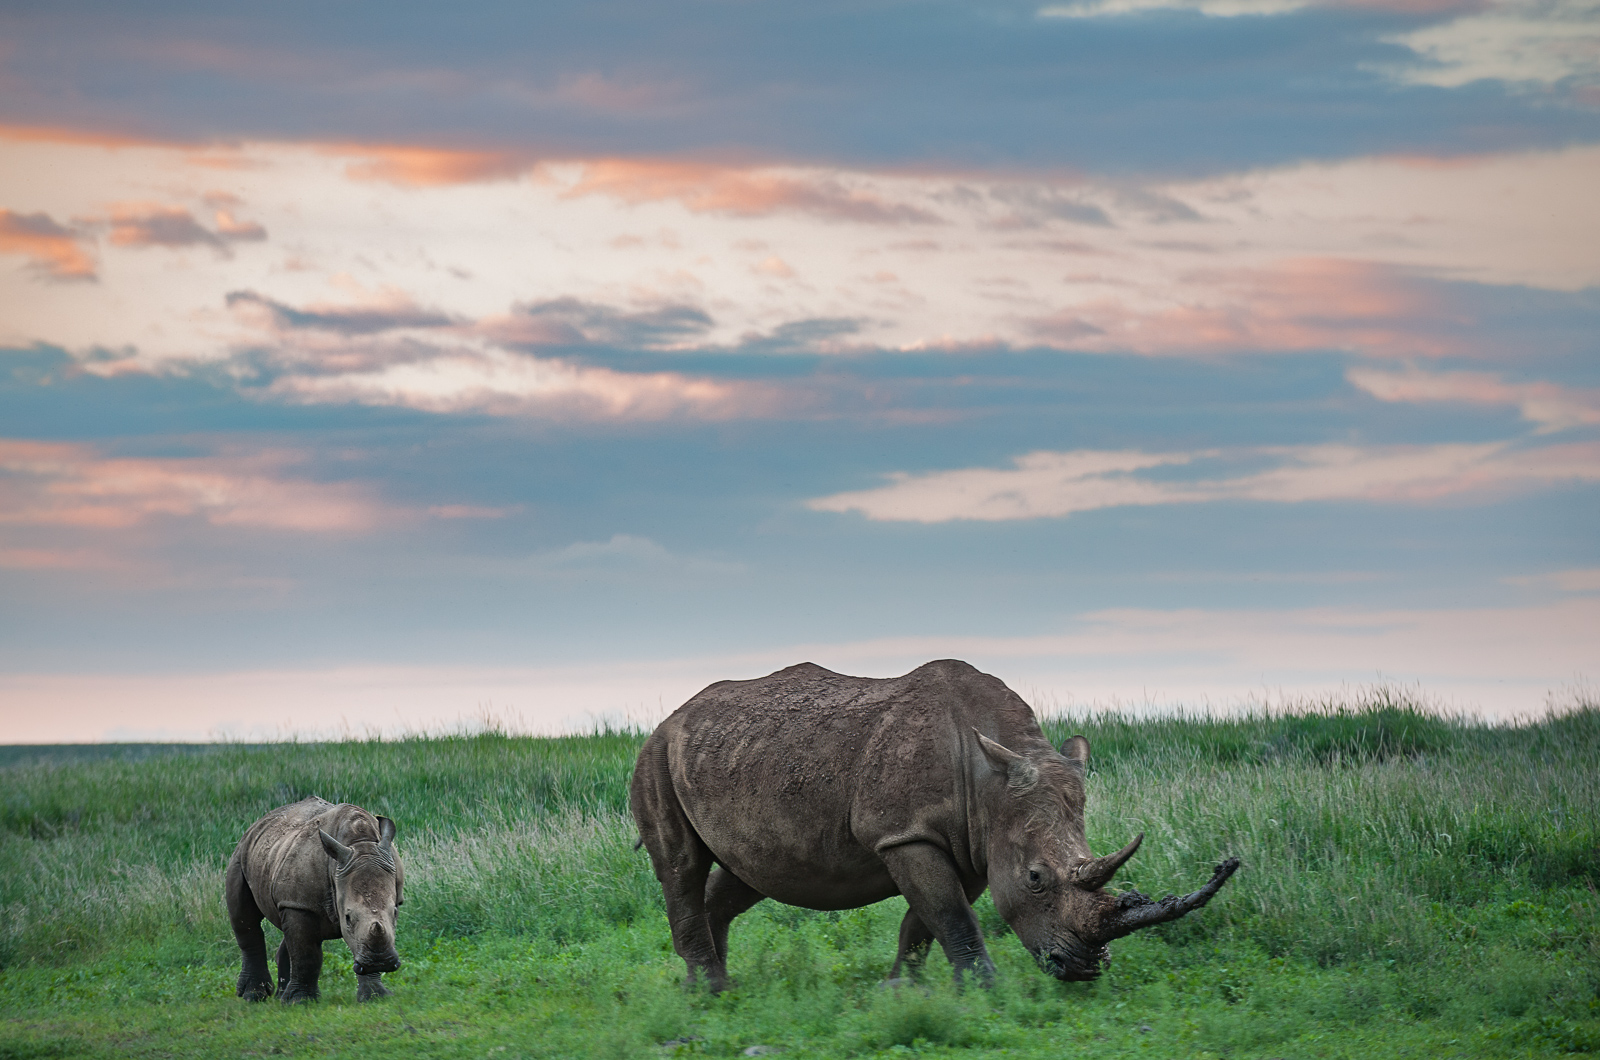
{"x": 386, "y": 831}
{"x": 1076, "y": 751}
{"x": 336, "y": 850}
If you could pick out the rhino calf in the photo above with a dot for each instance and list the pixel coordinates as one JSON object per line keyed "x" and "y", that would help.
{"x": 832, "y": 792}
{"x": 317, "y": 871}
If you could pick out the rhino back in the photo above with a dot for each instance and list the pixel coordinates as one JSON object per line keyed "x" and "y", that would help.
{"x": 796, "y": 780}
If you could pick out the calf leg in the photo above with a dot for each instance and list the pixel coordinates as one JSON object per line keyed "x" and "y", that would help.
{"x": 244, "y": 916}
{"x": 370, "y": 986}
{"x": 302, "y": 939}
{"x": 283, "y": 961}
{"x": 927, "y": 877}
{"x": 726, "y": 897}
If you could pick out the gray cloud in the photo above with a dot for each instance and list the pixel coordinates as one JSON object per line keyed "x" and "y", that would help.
{"x": 575, "y": 322}
{"x": 352, "y": 320}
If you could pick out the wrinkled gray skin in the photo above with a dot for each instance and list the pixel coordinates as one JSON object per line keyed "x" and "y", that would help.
{"x": 833, "y": 792}
{"x": 317, "y": 871}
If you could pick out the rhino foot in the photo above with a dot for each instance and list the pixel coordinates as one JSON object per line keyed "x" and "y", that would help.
{"x": 294, "y": 993}
{"x": 369, "y": 987}
{"x": 252, "y": 988}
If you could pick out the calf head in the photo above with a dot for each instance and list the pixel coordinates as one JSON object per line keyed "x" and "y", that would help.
{"x": 366, "y": 896}
{"x": 1046, "y": 882}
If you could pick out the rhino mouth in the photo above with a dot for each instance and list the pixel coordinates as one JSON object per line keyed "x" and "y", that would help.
{"x": 1074, "y": 964}
{"x": 378, "y": 966}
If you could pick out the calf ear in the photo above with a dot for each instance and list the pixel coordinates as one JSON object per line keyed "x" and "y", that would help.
{"x": 385, "y": 832}
{"x": 1076, "y": 751}
{"x": 336, "y": 850}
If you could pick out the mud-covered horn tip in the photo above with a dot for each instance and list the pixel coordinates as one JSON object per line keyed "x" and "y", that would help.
{"x": 1097, "y": 872}
{"x": 1135, "y": 911}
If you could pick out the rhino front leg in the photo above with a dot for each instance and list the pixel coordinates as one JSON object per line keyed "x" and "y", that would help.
{"x": 302, "y": 942}
{"x": 928, "y": 879}
{"x": 370, "y": 986}
{"x": 255, "y": 981}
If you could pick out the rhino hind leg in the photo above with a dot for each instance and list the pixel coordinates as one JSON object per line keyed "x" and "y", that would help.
{"x": 726, "y": 897}
{"x": 682, "y": 863}
{"x": 302, "y": 944}
{"x": 933, "y": 889}
{"x": 244, "y": 916}
{"x": 915, "y": 938}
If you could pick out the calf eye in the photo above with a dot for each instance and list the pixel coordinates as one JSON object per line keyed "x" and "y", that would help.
{"x": 1035, "y": 880}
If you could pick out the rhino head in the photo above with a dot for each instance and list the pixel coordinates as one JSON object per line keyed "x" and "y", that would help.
{"x": 366, "y": 897}
{"x": 1046, "y": 882}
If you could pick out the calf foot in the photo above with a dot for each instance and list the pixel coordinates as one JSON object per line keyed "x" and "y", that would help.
{"x": 370, "y": 986}
{"x": 254, "y": 988}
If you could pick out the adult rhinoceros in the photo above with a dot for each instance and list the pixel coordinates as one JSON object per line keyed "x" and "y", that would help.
{"x": 833, "y": 792}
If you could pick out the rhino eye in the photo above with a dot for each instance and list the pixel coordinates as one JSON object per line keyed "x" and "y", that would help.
{"x": 1035, "y": 880}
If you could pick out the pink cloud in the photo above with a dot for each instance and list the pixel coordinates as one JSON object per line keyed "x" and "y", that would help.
{"x": 1550, "y": 406}
{"x": 471, "y": 511}
{"x": 58, "y": 559}
{"x": 706, "y": 188}
{"x": 60, "y": 134}
{"x": 1055, "y": 484}
{"x": 55, "y": 251}
{"x": 430, "y": 167}
{"x": 504, "y": 383}
{"x": 1306, "y": 303}
{"x": 45, "y": 484}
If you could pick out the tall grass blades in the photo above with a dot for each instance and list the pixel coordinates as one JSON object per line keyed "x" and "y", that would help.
{"x": 1399, "y": 866}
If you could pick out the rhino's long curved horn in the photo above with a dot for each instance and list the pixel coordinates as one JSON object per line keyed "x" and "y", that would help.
{"x": 1135, "y": 911}
{"x": 1097, "y": 872}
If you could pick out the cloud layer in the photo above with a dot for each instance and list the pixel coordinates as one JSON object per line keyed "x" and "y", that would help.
{"x": 1181, "y": 345}
{"x": 1045, "y": 485}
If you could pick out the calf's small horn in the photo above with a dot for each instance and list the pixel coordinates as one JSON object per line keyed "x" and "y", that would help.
{"x": 1097, "y": 872}
{"x": 1134, "y": 911}
{"x": 335, "y": 849}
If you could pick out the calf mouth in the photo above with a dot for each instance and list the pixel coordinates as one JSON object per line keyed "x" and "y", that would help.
{"x": 378, "y": 966}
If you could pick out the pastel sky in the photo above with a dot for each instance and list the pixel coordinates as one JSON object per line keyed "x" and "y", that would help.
{"x": 388, "y": 367}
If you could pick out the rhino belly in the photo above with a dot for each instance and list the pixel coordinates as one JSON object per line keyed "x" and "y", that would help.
{"x": 806, "y": 857}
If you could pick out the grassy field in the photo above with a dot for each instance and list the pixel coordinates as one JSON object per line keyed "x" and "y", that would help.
{"x": 1412, "y": 886}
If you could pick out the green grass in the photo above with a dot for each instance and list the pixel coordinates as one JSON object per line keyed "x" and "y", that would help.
{"x": 1412, "y": 885}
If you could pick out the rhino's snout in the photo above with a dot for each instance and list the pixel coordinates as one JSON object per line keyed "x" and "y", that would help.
{"x": 389, "y": 962}
{"x": 377, "y": 953}
{"x": 1074, "y": 964}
